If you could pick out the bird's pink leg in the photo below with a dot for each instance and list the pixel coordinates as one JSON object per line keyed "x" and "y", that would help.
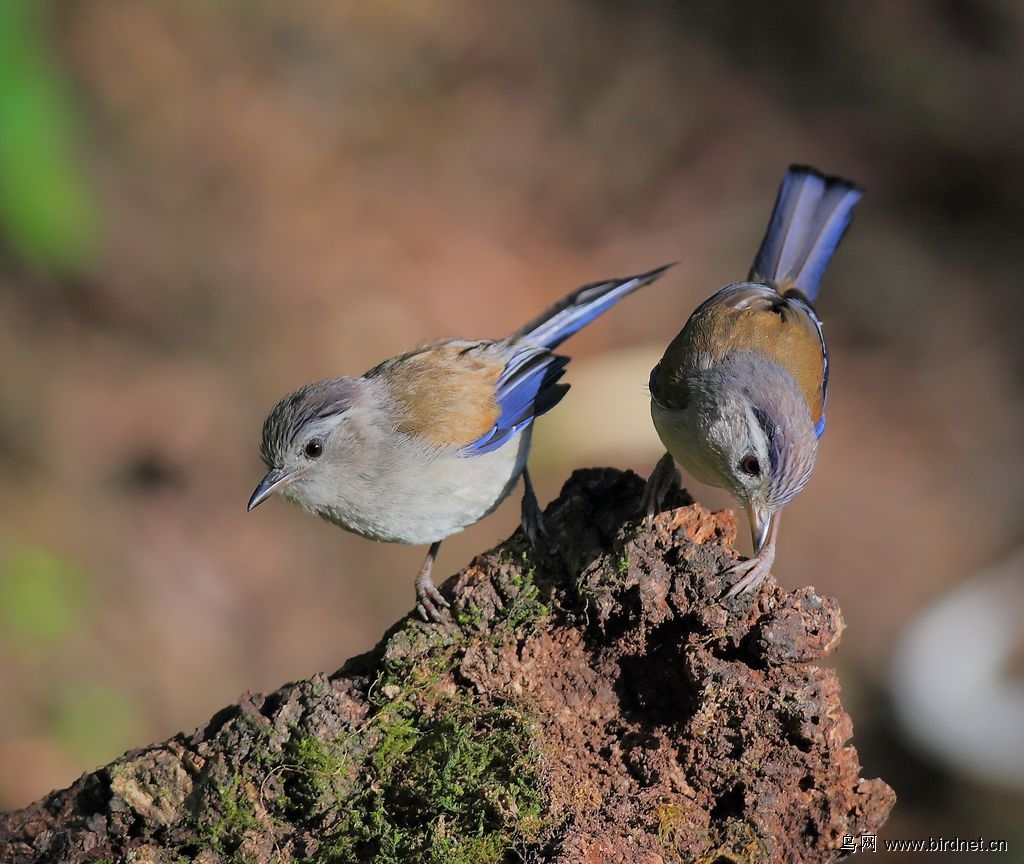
{"x": 664, "y": 480}
{"x": 754, "y": 571}
{"x": 428, "y": 598}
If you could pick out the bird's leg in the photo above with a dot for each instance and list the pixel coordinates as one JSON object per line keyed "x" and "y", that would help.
{"x": 664, "y": 480}
{"x": 428, "y": 598}
{"x": 533, "y": 518}
{"x": 755, "y": 570}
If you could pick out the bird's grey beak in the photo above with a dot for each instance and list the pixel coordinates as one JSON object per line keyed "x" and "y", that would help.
{"x": 760, "y": 525}
{"x": 268, "y": 485}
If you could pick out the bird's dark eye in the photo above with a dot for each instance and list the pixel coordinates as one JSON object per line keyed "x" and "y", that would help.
{"x": 314, "y": 448}
{"x": 750, "y": 465}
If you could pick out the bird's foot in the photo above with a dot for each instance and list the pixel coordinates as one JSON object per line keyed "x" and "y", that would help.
{"x": 751, "y": 572}
{"x": 665, "y": 480}
{"x": 429, "y": 602}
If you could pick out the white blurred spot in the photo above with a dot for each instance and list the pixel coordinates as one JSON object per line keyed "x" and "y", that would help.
{"x": 951, "y": 680}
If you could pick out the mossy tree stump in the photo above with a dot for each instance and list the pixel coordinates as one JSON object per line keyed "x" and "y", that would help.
{"x": 594, "y": 703}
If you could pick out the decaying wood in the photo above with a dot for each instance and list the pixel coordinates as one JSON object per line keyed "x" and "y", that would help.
{"x": 594, "y": 703}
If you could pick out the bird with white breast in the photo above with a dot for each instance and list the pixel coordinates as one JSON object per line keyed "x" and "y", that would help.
{"x": 429, "y": 442}
{"x": 738, "y": 399}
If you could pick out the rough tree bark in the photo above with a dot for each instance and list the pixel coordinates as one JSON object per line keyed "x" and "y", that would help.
{"x": 594, "y": 703}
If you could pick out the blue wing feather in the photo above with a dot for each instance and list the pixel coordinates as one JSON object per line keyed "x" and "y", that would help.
{"x": 527, "y": 388}
{"x": 796, "y": 298}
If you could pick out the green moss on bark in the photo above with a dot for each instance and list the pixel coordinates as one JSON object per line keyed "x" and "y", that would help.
{"x": 590, "y": 701}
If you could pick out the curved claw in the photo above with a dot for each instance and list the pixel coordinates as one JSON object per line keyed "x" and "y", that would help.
{"x": 428, "y": 598}
{"x": 665, "y": 480}
{"x": 534, "y": 528}
{"x": 751, "y": 572}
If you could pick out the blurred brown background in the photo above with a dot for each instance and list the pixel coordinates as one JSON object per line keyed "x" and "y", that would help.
{"x": 204, "y": 206}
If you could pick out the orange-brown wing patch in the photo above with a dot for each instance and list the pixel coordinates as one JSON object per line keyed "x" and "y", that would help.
{"x": 754, "y": 318}
{"x": 447, "y": 392}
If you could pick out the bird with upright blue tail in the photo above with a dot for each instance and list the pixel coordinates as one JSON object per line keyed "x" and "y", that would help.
{"x": 738, "y": 399}
{"x": 431, "y": 441}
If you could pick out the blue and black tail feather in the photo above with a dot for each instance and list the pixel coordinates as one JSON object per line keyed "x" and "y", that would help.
{"x": 811, "y": 214}
{"x": 529, "y": 385}
{"x": 553, "y": 326}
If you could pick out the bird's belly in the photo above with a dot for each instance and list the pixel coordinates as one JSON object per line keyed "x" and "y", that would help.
{"x": 430, "y": 499}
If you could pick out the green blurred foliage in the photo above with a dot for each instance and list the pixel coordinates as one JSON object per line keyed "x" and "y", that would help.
{"x": 47, "y": 213}
{"x": 42, "y": 597}
{"x": 93, "y": 720}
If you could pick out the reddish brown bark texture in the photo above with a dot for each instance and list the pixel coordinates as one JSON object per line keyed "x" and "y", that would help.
{"x": 672, "y": 726}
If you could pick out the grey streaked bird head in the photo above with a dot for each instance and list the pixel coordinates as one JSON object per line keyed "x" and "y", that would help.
{"x": 300, "y": 430}
{"x": 757, "y": 436}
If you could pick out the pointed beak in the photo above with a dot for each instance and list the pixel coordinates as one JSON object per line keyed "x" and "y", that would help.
{"x": 760, "y": 524}
{"x": 275, "y": 478}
